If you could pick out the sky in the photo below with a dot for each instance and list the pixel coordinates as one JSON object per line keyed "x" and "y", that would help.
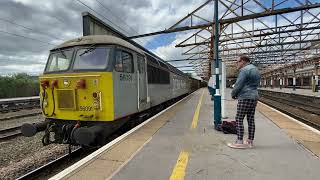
{"x": 29, "y": 28}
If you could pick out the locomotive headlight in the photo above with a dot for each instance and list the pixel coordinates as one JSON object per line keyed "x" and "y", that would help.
{"x": 66, "y": 83}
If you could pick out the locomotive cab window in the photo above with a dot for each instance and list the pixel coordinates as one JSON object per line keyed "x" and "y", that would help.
{"x": 59, "y": 61}
{"x": 92, "y": 58}
{"x": 124, "y": 62}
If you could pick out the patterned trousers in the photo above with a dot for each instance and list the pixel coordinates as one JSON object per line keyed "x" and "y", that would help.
{"x": 246, "y": 107}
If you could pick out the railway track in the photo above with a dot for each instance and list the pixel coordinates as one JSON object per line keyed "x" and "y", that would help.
{"x": 301, "y": 105}
{"x": 305, "y": 109}
{"x": 19, "y": 116}
{"x": 10, "y": 133}
{"x": 16, "y": 104}
{"x": 56, "y": 165}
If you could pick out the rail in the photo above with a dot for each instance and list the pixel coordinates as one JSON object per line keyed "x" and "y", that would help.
{"x": 303, "y": 108}
{"x": 10, "y": 133}
{"x": 16, "y": 104}
{"x": 54, "y": 164}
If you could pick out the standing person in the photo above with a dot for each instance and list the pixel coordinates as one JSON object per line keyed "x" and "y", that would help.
{"x": 245, "y": 90}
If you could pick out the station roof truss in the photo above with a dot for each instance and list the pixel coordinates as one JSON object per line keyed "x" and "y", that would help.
{"x": 272, "y": 33}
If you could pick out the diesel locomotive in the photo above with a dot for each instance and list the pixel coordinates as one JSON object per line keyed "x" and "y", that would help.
{"x": 92, "y": 85}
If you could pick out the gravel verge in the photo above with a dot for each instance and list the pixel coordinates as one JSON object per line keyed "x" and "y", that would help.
{"x": 23, "y": 154}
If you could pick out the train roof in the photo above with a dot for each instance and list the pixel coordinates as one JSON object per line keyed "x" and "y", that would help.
{"x": 98, "y": 39}
{"x": 110, "y": 39}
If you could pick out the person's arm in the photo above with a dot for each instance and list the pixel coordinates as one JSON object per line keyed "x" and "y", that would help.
{"x": 239, "y": 84}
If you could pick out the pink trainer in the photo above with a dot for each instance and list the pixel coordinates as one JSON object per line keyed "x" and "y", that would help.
{"x": 238, "y": 145}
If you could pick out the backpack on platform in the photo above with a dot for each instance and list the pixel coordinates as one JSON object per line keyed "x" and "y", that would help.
{"x": 229, "y": 127}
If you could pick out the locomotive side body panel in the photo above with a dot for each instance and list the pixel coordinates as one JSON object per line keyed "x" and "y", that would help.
{"x": 125, "y": 94}
{"x": 159, "y": 93}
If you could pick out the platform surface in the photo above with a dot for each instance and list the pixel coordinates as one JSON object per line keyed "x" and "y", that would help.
{"x": 276, "y": 155}
{"x": 305, "y": 92}
{"x": 172, "y": 147}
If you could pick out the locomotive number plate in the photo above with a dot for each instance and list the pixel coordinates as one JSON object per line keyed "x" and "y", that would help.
{"x": 85, "y": 108}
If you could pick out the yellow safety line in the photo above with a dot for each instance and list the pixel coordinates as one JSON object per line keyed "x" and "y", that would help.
{"x": 179, "y": 170}
{"x": 196, "y": 113}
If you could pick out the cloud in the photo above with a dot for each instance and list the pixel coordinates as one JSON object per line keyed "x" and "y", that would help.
{"x": 29, "y": 69}
{"x": 29, "y": 29}
{"x": 170, "y": 52}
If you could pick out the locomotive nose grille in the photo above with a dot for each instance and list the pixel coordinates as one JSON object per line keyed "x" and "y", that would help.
{"x": 66, "y": 99}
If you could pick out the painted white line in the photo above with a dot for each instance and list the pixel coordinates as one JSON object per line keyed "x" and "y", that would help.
{"x": 305, "y": 125}
{"x": 94, "y": 155}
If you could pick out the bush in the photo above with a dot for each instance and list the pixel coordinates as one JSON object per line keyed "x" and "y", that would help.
{"x": 18, "y": 85}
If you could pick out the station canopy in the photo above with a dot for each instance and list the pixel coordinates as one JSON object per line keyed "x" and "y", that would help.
{"x": 273, "y": 33}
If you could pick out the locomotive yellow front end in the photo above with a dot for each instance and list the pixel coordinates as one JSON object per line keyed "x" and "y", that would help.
{"x": 76, "y": 93}
{"x": 79, "y": 97}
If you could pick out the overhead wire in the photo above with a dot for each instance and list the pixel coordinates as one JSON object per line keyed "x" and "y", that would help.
{"x": 28, "y": 28}
{"x": 124, "y": 22}
{"x": 18, "y": 35}
{"x": 40, "y": 32}
{"x": 54, "y": 37}
{"x": 84, "y": 4}
{"x": 116, "y": 16}
{"x": 108, "y": 9}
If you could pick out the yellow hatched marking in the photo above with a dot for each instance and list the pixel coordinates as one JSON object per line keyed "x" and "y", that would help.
{"x": 179, "y": 170}
{"x": 196, "y": 114}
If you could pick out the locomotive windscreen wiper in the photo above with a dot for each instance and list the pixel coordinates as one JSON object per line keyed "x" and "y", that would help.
{"x": 62, "y": 53}
{"x": 89, "y": 49}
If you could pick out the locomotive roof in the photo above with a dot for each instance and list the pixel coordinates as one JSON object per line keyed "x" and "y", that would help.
{"x": 109, "y": 39}
{"x": 98, "y": 39}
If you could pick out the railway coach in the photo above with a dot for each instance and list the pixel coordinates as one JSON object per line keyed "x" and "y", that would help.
{"x": 92, "y": 85}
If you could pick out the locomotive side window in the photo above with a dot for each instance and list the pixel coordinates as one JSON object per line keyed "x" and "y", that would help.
{"x": 124, "y": 62}
{"x": 91, "y": 58}
{"x": 157, "y": 75}
{"x": 59, "y": 61}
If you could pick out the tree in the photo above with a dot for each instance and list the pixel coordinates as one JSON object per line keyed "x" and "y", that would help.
{"x": 18, "y": 85}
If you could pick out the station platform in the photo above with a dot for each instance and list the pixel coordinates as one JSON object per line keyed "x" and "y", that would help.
{"x": 305, "y": 92}
{"x": 181, "y": 143}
